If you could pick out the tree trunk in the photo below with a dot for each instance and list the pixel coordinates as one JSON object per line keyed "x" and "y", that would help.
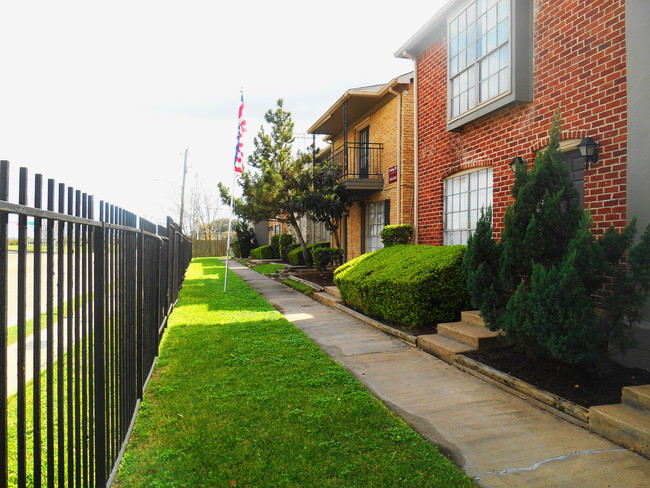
{"x": 301, "y": 240}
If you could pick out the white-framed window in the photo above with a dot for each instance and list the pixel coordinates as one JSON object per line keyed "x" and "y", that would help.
{"x": 466, "y": 195}
{"x": 375, "y": 222}
{"x": 489, "y": 58}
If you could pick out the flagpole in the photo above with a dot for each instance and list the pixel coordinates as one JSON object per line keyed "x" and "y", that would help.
{"x": 232, "y": 198}
{"x": 238, "y": 168}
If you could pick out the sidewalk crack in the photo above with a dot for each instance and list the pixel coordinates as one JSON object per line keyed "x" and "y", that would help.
{"x": 540, "y": 463}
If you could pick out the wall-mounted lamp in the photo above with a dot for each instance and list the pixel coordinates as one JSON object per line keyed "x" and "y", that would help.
{"x": 588, "y": 150}
{"x": 516, "y": 161}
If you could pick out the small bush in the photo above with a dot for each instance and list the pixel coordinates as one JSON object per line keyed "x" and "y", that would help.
{"x": 286, "y": 246}
{"x": 393, "y": 235}
{"x": 409, "y": 284}
{"x": 262, "y": 252}
{"x": 235, "y": 246}
{"x": 295, "y": 256}
{"x": 327, "y": 258}
{"x": 278, "y": 242}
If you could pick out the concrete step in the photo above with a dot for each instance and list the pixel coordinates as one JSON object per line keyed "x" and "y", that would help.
{"x": 333, "y": 290}
{"x": 475, "y": 336}
{"x": 637, "y": 397}
{"x": 325, "y": 298}
{"x": 622, "y": 424}
{"x": 442, "y": 347}
{"x": 472, "y": 317}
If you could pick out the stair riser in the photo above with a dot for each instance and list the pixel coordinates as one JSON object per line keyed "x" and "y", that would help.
{"x": 621, "y": 433}
{"x": 472, "y": 317}
{"x": 481, "y": 343}
{"x": 438, "y": 351}
{"x": 636, "y": 399}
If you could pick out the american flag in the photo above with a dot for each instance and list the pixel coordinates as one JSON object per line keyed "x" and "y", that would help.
{"x": 241, "y": 130}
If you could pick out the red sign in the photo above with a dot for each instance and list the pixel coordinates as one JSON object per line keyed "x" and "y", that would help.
{"x": 392, "y": 174}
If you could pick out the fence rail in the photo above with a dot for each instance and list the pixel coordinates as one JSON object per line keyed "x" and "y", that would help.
{"x": 109, "y": 286}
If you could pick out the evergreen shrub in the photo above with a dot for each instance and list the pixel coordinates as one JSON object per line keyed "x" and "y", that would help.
{"x": 550, "y": 284}
{"x": 412, "y": 285}
{"x": 392, "y": 235}
{"x": 262, "y": 252}
{"x": 235, "y": 246}
{"x": 327, "y": 258}
{"x": 285, "y": 245}
{"x": 297, "y": 259}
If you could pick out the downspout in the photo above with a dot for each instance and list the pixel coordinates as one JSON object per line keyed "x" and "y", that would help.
{"x": 399, "y": 153}
{"x": 416, "y": 187}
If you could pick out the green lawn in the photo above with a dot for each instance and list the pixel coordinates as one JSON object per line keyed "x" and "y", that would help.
{"x": 242, "y": 398}
{"x": 267, "y": 269}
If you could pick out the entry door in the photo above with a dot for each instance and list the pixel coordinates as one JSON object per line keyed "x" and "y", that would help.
{"x": 364, "y": 152}
{"x": 374, "y": 225}
{"x": 575, "y": 163}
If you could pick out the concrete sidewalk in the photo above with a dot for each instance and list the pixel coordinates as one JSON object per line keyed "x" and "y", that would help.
{"x": 495, "y": 437}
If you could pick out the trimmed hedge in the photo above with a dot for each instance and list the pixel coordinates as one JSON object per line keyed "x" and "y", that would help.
{"x": 295, "y": 256}
{"x": 327, "y": 258}
{"x": 278, "y": 241}
{"x": 392, "y": 235}
{"x": 412, "y": 285}
{"x": 262, "y": 252}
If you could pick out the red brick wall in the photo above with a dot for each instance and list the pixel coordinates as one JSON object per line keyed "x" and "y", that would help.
{"x": 580, "y": 70}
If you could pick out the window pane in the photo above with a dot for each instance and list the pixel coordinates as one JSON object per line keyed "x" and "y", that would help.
{"x": 462, "y": 22}
{"x": 493, "y": 86}
{"x": 462, "y": 220}
{"x": 453, "y": 47}
{"x": 471, "y": 53}
{"x": 484, "y": 91}
{"x": 463, "y": 184}
{"x": 492, "y": 18}
{"x": 493, "y": 60}
{"x": 502, "y": 10}
{"x": 480, "y": 47}
{"x": 453, "y": 28}
{"x": 480, "y": 6}
{"x": 455, "y": 221}
{"x": 502, "y": 35}
{"x": 491, "y": 40}
{"x": 481, "y": 26}
{"x": 504, "y": 80}
{"x": 485, "y": 72}
{"x": 473, "y": 181}
{"x": 473, "y": 199}
{"x": 472, "y": 97}
{"x": 462, "y": 40}
{"x": 462, "y": 60}
{"x": 471, "y": 15}
{"x": 453, "y": 65}
{"x": 503, "y": 57}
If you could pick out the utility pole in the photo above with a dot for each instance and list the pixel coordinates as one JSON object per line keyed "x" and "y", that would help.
{"x": 183, "y": 189}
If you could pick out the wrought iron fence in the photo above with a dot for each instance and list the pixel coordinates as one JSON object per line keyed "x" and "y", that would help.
{"x": 359, "y": 159}
{"x": 99, "y": 292}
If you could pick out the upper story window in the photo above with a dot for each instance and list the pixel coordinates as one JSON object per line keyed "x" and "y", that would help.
{"x": 489, "y": 58}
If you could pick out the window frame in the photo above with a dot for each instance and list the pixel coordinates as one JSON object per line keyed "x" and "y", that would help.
{"x": 465, "y": 197}
{"x": 520, "y": 64}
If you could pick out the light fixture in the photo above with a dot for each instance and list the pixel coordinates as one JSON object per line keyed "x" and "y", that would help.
{"x": 517, "y": 160}
{"x": 588, "y": 150}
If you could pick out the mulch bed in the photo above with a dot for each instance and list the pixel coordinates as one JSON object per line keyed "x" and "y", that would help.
{"x": 567, "y": 381}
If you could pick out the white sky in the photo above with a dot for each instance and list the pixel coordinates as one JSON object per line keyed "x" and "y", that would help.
{"x": 106, "y": 96}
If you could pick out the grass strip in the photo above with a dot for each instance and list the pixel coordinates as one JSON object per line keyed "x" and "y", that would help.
{"x": 267, "y": 269}
{"x": 301, "y": 287}
{"x": 241, "y": 397}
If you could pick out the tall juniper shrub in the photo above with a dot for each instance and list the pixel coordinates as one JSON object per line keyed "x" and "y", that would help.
{"x": 553, "y": 287}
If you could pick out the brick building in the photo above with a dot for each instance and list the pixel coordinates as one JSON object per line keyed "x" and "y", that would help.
{"x": 370, "y": 132}
{"x": 490, "y": 75}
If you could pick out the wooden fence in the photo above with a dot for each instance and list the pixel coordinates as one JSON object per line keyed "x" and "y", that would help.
{"x": 208, "y": 249}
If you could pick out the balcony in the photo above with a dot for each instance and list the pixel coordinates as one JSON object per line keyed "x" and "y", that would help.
{"x": 361, "y": 166}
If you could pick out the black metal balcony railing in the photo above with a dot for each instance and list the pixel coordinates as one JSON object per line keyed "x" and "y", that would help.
{"x": 359, "y": 160}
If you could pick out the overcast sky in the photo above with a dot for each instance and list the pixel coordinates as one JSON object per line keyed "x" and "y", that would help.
{"x": 106, "y": 96}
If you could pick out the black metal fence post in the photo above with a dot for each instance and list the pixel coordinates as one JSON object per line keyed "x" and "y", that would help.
{"x": 111, "y": 284}
{"x": 4, "y": 434}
